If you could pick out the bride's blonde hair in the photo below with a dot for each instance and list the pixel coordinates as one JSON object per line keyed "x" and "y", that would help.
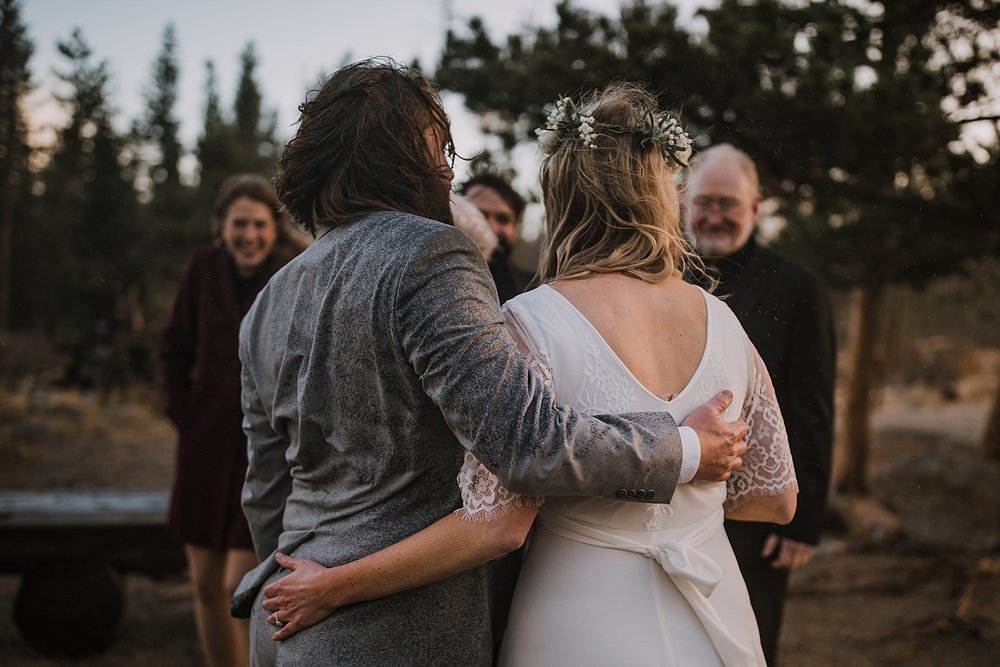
{"x": 612, "y": 207}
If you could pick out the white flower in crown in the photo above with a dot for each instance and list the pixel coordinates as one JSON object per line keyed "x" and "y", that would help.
{"x": 682, "y": 147}
{"x": 682, "y": 155}
{"x": 564, "y": 122}
{"x": 587, "y": 131}
{"x": 562, "y": 113}
{"x": 666, "y": 131}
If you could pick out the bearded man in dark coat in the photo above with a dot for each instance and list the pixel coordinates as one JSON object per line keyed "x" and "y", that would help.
{"x": 786, "y": 312}
{"x": 503, "y": 209}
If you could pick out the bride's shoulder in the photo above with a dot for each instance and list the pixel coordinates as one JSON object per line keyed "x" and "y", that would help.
{"x": 723, "y": 320}
{"x": 530, "y": 301}
{"x": 714, "y": 303}
{"x": 543, "y": 313}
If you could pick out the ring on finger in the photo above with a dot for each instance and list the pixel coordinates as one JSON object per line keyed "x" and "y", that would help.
{"x": 277, "y": 621}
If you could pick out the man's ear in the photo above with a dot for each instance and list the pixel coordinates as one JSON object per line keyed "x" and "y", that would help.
{"x": 755, "y": 205}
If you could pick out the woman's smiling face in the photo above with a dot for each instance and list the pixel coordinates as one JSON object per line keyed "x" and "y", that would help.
{"x": 249, "y": 233}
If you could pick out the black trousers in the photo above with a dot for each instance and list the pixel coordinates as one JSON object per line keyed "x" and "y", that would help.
{"x": 766, "y": 585}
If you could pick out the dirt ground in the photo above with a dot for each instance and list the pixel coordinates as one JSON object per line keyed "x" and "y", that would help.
{"x": 929, "y": 598}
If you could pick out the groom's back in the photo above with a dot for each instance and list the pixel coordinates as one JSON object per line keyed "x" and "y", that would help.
{"x": 371, "y": 457}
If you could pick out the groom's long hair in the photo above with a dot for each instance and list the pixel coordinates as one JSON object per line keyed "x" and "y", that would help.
{"x": 362, "y": 146}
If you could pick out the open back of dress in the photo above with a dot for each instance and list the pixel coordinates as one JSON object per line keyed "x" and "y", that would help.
{"x": 609, "y": 582}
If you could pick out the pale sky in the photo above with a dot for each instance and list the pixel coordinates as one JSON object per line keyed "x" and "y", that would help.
{"x": 295, "y": 40}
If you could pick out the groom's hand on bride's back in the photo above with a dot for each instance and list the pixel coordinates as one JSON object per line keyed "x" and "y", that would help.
{"x": 722, "y": 442}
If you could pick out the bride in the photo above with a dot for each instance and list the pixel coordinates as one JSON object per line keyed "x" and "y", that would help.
{"x": 613, "y": 328}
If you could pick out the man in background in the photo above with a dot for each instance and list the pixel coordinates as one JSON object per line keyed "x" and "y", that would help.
{"x": 786, "y": 313}
{"x": 503, "y": 208}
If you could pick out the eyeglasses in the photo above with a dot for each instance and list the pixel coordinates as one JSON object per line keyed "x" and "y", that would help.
{"x": 724, "y": 204}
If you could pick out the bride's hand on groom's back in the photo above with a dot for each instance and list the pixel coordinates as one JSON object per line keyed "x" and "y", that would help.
{"x": 300, "y": 599}
{"x": 723, "y": 443}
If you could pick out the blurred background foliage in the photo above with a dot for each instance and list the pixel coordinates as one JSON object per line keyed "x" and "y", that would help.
{"x": 874, "y": 126}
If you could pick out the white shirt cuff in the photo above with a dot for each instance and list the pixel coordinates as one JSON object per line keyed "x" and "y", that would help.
{"x": 690, "y": 454}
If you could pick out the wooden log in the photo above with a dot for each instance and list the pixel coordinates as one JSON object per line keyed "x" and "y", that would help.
{"x": 70, "y": 548}
{"x": 69, "y": 608}
{"x": 126, "y": 529}
{"x": 82, "y": 508}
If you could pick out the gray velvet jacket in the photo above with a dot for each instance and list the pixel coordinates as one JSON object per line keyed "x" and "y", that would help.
{"x": 369, "y": 363}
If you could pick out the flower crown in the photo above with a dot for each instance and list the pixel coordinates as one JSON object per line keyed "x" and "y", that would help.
{"x": 565, "y": 123}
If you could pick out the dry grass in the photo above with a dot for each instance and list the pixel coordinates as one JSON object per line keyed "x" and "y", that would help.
{"x": 922, "y": 603}
{"x": 63, "y": 439}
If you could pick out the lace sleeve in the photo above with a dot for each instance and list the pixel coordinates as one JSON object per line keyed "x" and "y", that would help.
{"x": 484, "y": 497}
{"x": 767, "y": 466}
{"x": 536, "y": 354}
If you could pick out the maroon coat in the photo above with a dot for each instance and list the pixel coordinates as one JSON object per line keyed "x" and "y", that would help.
{"x": 199, "y": 360}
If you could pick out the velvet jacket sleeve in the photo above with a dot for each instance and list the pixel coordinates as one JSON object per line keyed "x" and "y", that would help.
{"x": 177, "y": 353}
{"x": 448, "y": 322}
{"x": 808, "y": 407}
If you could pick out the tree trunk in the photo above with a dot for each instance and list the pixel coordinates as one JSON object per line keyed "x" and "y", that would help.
{"x": 6, "y": 239}
{"x": 853, "y": 443}
{"x": 990, "y": 446}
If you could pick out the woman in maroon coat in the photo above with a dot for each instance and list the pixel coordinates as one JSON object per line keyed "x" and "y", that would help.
{"x": 199, "y": 358}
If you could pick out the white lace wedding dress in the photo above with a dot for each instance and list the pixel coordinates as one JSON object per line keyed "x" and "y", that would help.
{"x": 608, "y": 582}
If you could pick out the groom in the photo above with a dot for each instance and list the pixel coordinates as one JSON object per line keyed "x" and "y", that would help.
{"x": 370, "y": 363}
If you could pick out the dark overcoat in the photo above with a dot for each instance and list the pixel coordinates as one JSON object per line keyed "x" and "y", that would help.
{"x": 786, "y": 313}
{"x": 200, "y": 365}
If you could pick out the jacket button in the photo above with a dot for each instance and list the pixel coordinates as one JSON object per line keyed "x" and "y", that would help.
{"x": 621, "y": 493}
{"x": 650, "y": 495}
{"x": 631, "y": 493}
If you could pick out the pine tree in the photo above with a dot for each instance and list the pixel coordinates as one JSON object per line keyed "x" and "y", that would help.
{"x": 511, "y": 82}
{"x": 247, "y": 143}
{"x": 846, "y": 108}
{"x": 248, "y": 99}
{"x": 216, "y": 146}
{"x": 168, "y": 209}
{"x": 15, "y": 177}
{"x": 96, "y": 250}
{"x": 160, "y": 125}
{"x": 255, "y": 140}
{"x": 853, "y": 111}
